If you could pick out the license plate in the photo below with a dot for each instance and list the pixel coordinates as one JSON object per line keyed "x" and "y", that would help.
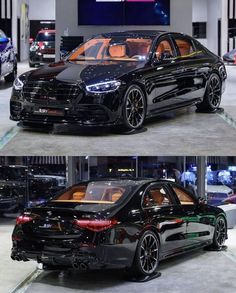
{"x": 50, "y": 112}
{"x": 48, "y": 56}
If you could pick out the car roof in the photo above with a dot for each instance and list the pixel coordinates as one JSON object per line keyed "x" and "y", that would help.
{"x": 141, "y": 33}
{"x": 136, "y": 33}
{"x": 129, "y": 180}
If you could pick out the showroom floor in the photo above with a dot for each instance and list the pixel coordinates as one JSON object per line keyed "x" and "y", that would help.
{"x": 200, "y": 271}
{"x": 184, "y": 132}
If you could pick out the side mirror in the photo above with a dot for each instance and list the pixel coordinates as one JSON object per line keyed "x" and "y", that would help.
{"x": 4, "y": 40}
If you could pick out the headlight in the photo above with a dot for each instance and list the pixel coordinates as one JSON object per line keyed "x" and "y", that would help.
{"x": 18, "y": 84}
{"x": 103, "y": 87}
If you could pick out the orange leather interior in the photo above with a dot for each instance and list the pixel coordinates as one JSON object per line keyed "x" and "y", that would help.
{"x": 138, "y": 46}
{"x": 117, "y": 51}
{"x": 157, "y": 196}
{"x": 185, "y": 48}
{"x": 164, "y": 46}
{"x": 78, "y": 195}
{"x": 116, "y": 196}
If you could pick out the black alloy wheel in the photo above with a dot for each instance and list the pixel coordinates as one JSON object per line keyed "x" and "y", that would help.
{"x": 220, "y": 233}
{"x": 212, "y": 98}
{"x": 134, "y": 108}
{"x": 147, "y": 255}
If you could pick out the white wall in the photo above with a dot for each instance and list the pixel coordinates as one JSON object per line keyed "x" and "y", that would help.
{"x": 42, "y": 9}
{"x": 67, "y": 21}
{"x": 210, "y": 11}
{"x": 199, "y": 10}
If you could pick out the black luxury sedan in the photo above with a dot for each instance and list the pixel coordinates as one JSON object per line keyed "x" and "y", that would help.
{"x": 121, "y": 78}
{"x": 131, "y": 223}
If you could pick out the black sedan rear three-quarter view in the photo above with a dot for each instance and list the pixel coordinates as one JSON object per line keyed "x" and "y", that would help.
{"x": 129, "y": 223}
{"x": 121, "y": 78}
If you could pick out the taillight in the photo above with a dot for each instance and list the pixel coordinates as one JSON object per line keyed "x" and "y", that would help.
{"x": 95, "y": 225}
{"x": 23, "y": 219}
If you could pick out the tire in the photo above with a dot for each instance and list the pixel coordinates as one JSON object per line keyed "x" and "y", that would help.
{"x": 146, "y": 258}
{"x": 134, "y": 108}
{"x": 12, "y": 76}
{"x": 220, "y": 233}
{"x": 212, "y": 97}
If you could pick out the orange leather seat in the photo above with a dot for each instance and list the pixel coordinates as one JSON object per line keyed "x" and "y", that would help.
{"x": 116, "y": 196}
{"x": 157, "y": 196}
{"x": 78, "y": 195}
{"x": 117, "y": 51}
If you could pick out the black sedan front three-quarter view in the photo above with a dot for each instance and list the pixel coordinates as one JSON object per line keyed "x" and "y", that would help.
{"x": 129, "y": 223}
{"x": 121, "y": 78}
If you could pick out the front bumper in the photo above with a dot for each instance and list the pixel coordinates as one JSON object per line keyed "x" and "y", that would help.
{"x": 85, "y": 110}
{"x": 36, "y": 57}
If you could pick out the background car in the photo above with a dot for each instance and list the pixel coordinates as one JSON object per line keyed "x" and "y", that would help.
{"x": 42, "y": 49}
{"x": 229, "y": 57}
{"x": 30, "y": 185}
{"x": 10, "y": 199}
{"x": 121, "y": 78}
{"x": 8, "y": 59}
{"x": 132, "y": 223}
{"x": 217, "y": 193}
{"x": 230, "y": 199}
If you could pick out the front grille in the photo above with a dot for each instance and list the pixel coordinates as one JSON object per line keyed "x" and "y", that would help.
{"x": 49, "y": 93}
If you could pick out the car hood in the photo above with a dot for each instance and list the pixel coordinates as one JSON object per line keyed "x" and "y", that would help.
{"x": 88, "y": 72}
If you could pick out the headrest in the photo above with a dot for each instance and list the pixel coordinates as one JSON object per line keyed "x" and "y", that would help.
{"x": 78, "y": 195}
{"x": 116, "y": 196}
{"x": 117, "y": 51}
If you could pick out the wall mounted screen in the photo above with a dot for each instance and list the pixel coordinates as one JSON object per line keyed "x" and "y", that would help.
{"x": 123, "y": 12}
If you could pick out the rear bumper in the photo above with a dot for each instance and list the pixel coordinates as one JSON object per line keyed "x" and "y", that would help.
{"x": 70, "y": 253}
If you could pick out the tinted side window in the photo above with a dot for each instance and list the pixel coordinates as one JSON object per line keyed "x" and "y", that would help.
{"x": 184, "y": 198}
{"x": 185, "y": 47}
{"x": 155, "y": 197}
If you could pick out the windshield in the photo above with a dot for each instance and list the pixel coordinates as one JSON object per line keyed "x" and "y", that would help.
{"x": 105, "y": 192}
{"x": 45, "y": 37}
{"x": 121, "y": 49}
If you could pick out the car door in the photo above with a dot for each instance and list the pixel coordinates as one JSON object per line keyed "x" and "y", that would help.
{"x": 160, "y": 210}
{"x": 191, "y": 59}
{"x": 163, "y": 78}
{"x": 196, "y": 217}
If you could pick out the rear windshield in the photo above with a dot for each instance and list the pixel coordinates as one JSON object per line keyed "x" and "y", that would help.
{"x": 45, "y": 37}
{"x": 105, "y": 192}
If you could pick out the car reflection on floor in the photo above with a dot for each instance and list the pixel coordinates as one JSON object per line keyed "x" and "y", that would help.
{"x": 204, "y": 277}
